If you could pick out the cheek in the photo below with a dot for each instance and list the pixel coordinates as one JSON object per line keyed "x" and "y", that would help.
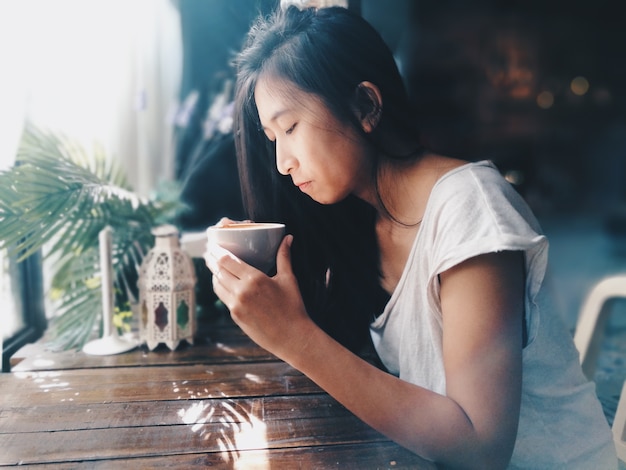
{"x": 340, "y": 180}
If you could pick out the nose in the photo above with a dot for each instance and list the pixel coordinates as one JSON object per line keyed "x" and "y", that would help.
{"x": 285, "y": 160}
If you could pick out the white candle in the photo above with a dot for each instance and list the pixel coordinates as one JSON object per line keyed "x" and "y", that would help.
{"x": 106, "y": 274}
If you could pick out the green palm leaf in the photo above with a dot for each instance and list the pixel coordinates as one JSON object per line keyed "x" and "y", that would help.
{"x": 59, "y": 197}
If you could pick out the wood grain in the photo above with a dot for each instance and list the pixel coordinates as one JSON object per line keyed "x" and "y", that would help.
{"x": 223, "y": 402}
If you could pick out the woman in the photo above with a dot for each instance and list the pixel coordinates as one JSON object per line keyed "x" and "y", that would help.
{"x": 435, "y": 262}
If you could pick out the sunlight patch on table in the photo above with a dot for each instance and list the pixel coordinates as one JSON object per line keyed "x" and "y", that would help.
{"x": 232, "y": 427}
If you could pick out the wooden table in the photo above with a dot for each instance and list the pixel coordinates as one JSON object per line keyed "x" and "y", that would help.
{"x": 223, "y": 402}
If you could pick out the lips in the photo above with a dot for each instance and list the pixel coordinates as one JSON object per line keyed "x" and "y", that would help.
{"x": 302, "y": 185}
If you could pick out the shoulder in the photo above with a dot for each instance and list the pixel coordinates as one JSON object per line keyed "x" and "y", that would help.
{"x": 443, "y": 177}
{"x": 473, "y": 210}
{"x": 477, "y": 189}
{"x": 472, "y": 176}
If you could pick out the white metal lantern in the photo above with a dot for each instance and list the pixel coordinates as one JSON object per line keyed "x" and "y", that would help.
{"x": 167, "y": 300}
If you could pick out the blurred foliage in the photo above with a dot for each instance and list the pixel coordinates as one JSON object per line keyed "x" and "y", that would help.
{"x": 57, "y": 198}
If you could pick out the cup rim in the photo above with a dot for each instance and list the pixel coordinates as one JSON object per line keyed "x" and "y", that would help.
{"x": 248, "y": 226}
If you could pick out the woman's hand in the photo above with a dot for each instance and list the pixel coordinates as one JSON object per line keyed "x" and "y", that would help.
{"x": 268, "y": 309}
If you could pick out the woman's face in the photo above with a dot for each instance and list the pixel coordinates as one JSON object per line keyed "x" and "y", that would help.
{"x": 325, "y": 157}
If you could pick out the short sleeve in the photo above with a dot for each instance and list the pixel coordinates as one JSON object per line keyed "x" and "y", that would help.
{"x": 475, "y": 212}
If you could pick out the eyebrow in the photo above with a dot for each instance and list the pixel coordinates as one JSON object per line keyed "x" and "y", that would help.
{"x": 275, "y": 116}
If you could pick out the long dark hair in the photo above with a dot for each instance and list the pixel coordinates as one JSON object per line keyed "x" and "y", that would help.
{"x": 327, "y": 52}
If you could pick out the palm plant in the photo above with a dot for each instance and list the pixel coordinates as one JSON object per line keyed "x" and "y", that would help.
{"x": 58, "y": 197}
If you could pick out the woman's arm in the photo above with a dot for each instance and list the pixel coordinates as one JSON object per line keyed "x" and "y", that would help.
{"x": 475, "y": 424}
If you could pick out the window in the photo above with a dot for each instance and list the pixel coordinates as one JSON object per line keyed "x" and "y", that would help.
{"x": 113, "y": 86}
{"x": 22, "y": 304}
{"x": 12, "y": 322}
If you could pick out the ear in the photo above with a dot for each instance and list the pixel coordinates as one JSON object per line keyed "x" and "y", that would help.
{"x": 368, "y": 105}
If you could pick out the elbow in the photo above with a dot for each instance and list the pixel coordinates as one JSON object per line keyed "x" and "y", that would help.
{"x": 494, "y": 457}
{"x": 486, "y": 444}
{"x": 464, "y": 449}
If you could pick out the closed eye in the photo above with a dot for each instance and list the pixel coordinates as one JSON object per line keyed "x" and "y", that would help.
{"x": 291, "y": 129}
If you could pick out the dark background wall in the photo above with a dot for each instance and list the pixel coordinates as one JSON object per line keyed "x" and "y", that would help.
{"x": 494, "y": 80}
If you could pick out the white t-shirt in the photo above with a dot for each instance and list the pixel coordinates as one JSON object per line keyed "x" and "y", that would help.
{"x": 473, "y": 210}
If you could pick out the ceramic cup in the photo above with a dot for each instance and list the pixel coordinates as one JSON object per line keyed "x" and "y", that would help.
{"x": 254, "y": 243}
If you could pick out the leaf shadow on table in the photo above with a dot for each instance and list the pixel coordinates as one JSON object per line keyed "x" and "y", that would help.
{"x": 229, "y": 426}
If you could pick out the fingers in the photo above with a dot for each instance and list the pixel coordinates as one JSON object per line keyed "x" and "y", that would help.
{"x": 223, "y": 280}
{"x": 283, "y": 257}
{"x": 220, "y": 289}
{"x": 218, "y": 258}
{"x": 211, "y": 257}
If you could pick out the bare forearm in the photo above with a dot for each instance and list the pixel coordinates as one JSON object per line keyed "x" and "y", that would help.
{"x": 429, "y": 424}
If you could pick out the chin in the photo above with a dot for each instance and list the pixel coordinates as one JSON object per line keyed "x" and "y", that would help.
{"x": 327, "y": 201}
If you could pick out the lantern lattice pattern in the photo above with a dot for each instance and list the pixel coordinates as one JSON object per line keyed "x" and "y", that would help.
{"x": 167, "y": 299}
